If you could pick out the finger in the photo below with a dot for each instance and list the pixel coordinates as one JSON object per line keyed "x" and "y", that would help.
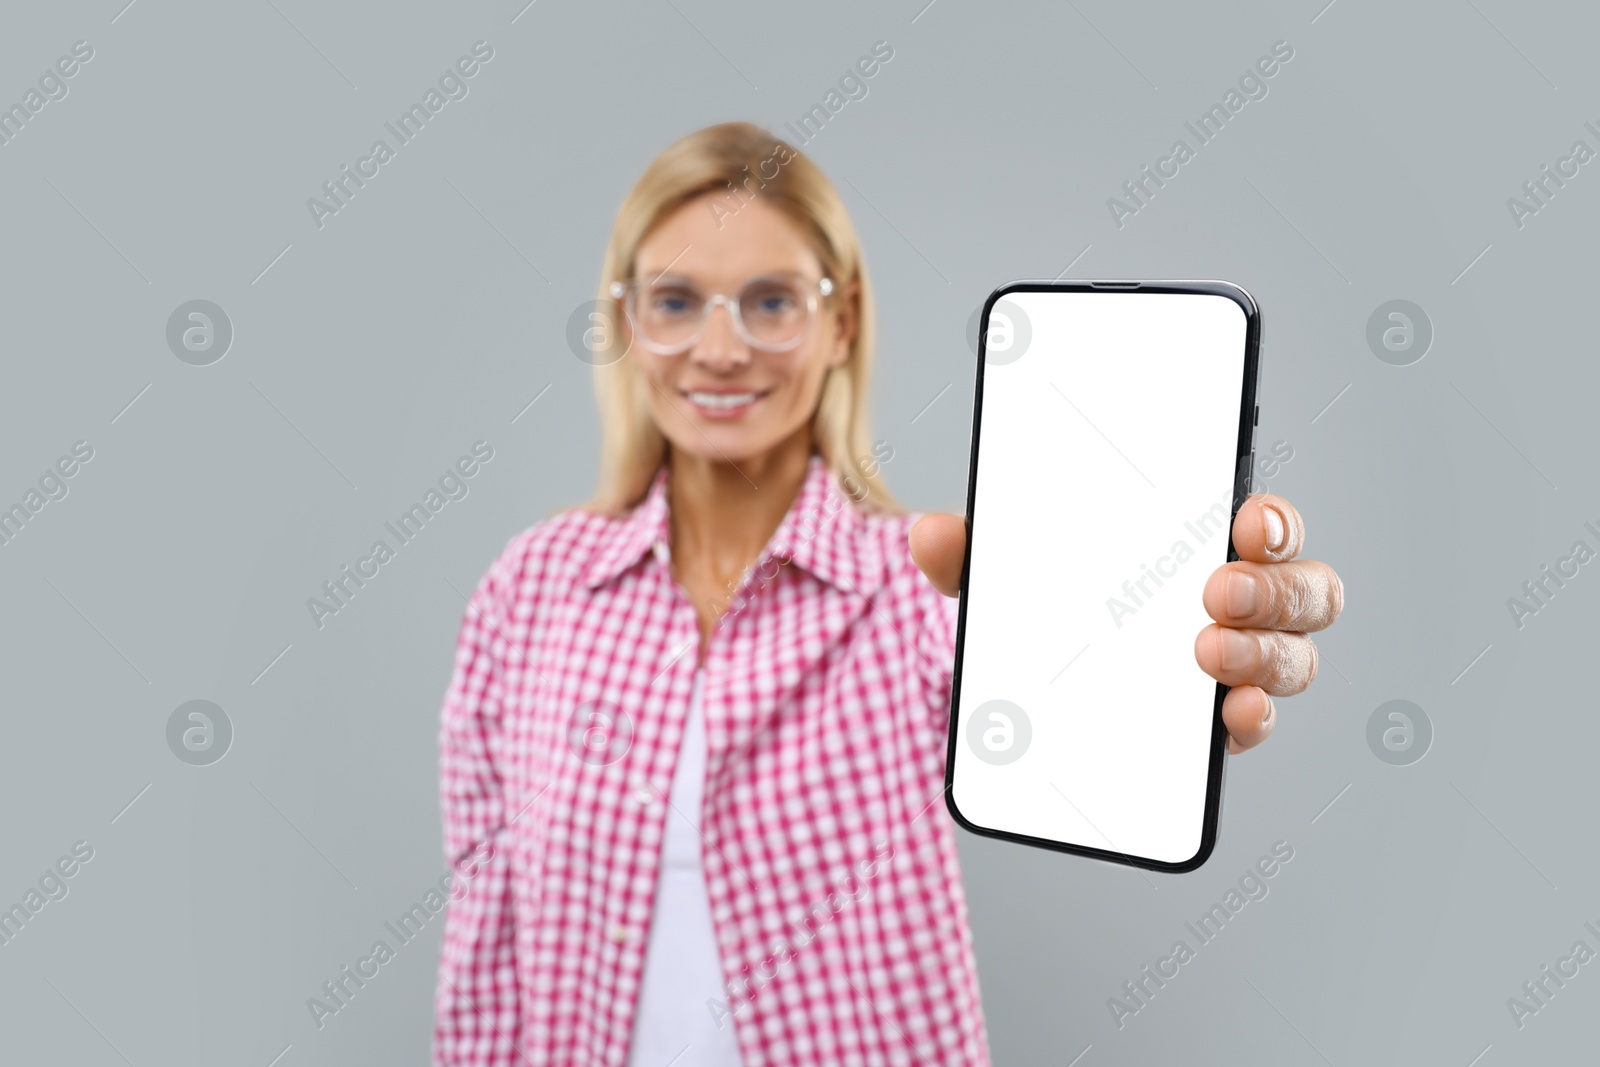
{"x": 938, "y": 545}
{"x": 1249, "y": 715}
{"x": 1268, "y": 529}
{"x": 1281, "y": 663}
{"x": 1303, "y": 595}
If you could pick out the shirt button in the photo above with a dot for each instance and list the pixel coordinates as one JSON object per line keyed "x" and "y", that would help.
{"x": 663, "y": 553}
{"x": 644, "y": 795}
{"x": 619, "y": 934}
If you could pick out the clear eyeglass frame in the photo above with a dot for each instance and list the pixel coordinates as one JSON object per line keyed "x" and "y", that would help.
{"x": 626, "y": 292}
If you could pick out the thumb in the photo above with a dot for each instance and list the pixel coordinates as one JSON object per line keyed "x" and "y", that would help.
{"x": 938, "y": 542}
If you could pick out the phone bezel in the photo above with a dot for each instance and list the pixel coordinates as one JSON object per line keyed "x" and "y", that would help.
{"x": 1244, "y": 464}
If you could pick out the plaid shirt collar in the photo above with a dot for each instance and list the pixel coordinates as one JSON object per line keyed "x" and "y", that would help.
{"x": 822, "y": 532}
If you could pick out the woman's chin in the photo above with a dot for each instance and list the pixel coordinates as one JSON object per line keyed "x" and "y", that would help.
{"x": 726, "y": 442}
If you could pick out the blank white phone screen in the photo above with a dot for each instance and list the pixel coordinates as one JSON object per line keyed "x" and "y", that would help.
{"x": 1107, "y": 450}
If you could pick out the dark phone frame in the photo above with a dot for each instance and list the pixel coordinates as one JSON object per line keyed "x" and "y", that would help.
{"x": 1244, "y": 466}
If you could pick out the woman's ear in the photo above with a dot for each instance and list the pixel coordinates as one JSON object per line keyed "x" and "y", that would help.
{"x": 847, "y": 321}
{"x": 621, "y": 324}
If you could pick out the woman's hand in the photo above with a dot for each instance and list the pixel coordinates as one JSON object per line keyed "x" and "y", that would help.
{"x": 1264, "y": 605}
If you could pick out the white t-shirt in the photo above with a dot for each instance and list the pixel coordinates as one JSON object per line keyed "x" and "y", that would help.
{"x": 673, "y": 1023}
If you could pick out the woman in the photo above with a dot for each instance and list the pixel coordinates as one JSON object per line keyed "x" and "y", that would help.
{"x": 693, "y": 751}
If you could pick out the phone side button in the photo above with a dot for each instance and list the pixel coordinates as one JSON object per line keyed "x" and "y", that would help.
{"x": 1258, "y": 416}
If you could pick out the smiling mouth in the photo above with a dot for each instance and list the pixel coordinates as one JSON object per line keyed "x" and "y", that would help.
{"x": 719, "y": 402}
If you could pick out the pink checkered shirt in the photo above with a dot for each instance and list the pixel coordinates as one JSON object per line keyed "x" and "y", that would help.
{"x": 830, "y": 860}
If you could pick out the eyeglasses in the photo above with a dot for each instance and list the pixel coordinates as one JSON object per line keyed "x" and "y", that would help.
{"x": 771, "y": 312}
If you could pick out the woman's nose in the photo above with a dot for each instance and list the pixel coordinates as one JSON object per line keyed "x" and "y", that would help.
{"x": 720, "y": 344}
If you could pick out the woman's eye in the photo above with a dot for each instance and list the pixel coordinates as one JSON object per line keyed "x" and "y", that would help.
{"x": 670, "y": 305}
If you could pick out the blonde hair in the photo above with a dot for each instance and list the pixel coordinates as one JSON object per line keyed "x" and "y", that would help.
{"x": 734, "y": 159}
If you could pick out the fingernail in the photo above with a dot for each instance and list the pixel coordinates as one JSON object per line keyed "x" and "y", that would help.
{"x": 1266, "y": 719}
{"x": 1238, "y": 649}
{"x": 1277, "y": 530}
{"x": 1241, "y": 596}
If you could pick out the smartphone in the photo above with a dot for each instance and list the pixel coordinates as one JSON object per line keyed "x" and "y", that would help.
{"x": 1112, "y": 445}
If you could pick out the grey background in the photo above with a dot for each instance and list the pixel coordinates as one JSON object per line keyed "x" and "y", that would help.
{"x": 430, "y": 312}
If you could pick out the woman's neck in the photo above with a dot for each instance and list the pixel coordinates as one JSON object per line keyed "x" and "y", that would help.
{"x": 723, "y": 514}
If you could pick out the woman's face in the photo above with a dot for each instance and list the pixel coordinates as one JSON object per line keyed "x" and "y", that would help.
{"x": 723, "y": 399}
